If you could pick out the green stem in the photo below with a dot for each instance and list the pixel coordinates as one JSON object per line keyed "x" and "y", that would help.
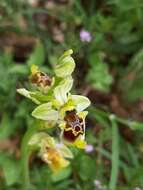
{"x": 115, "y": 155}
{"x": 25, "y": 153}
{"x": 131, "y": 124}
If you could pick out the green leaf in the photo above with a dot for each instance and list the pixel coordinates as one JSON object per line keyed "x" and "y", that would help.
{"x": 62, "y": 175}
{"x": 65, "y": 65}
{"x": 86, "y": 168}
{"x": 45, "y": 112}
{"x": 11, "y": 170}
{"x": 38, "y": 55}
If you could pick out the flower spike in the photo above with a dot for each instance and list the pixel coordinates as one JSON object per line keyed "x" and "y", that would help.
{"x": 56, "y": 107}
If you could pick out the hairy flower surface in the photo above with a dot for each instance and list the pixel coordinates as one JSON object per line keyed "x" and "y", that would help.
{"x": 73, "y": 128}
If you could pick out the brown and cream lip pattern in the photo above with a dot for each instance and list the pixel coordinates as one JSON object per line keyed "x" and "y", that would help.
{"x": 41, "y": 79}
{"x": 74, "y": 126}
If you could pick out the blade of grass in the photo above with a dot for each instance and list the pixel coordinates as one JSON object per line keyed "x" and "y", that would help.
{"x": 79, "y": 7}
{"x": 132, "y": 155}
{"x": 134, "y": 125}
{"x": 115, "y": 154}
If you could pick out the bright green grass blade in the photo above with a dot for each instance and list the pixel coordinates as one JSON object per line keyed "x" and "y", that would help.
{"x": 115, "y": 155}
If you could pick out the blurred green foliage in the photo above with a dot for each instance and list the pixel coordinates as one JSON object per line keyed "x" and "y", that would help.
{"x": 113, "y": 58}
{"x": 98, "y": 76}
{"x": 133, "y": 77}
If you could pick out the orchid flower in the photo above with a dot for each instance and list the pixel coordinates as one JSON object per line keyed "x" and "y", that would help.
{"x": 57, "y": 106}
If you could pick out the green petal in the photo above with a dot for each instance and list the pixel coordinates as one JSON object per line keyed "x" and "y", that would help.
{"x": 27, "y": 94}
{"x": 81, "y": 102}
{"x": 65, "y": 151}
{"x": 45, "y": 112}
{"x": 62, "y": 89}
{"x": 65, "y": 65}
{"x": 41, "y": 140}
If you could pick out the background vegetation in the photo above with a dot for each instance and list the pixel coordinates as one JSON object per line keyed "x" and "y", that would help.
{"x": 109, "y": 70}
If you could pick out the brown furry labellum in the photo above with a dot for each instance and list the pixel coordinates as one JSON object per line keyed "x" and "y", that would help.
{"x": 41, "y": 79}
{"x": 74, "y": 126}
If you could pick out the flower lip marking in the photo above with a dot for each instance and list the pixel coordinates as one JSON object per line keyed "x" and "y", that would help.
{"x": 74, "y": 126}
{"x": 41, "y": 79}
